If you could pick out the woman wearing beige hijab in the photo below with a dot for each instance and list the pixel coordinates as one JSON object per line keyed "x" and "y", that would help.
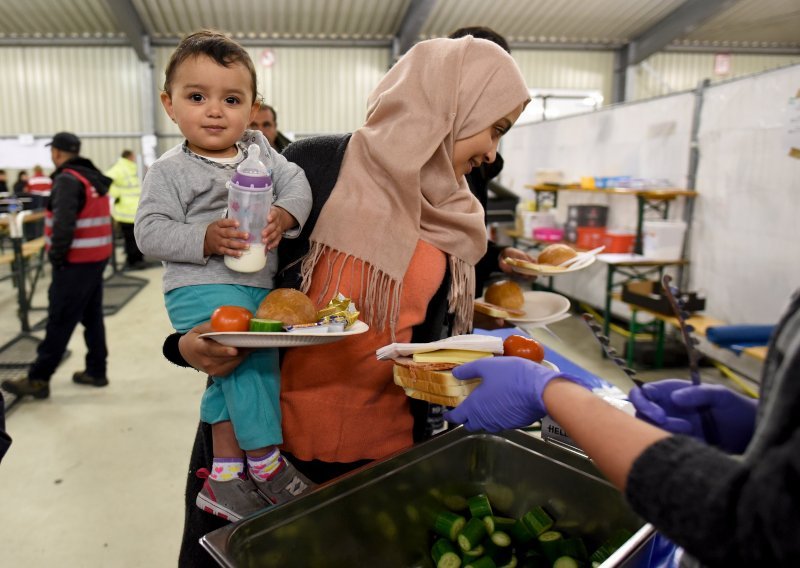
{"x": 394, "y": 227}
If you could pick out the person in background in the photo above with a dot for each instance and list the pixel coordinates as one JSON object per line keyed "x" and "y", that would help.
{"x": 78, "y": 239}
{"x": 266, "y": 120}
{"x": 39, "y": 187}
{"x": 3, "y": 181}
{"x": 413, "y": 275}
{"x": 210, "y": 93}
{"x": 21, "y": 185}
{"x": 735, "y": 504}
{"x": 125, "y": 191}
{"x": 478, "y": 179}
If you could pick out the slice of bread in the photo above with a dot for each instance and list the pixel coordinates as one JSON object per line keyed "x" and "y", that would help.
{"x": 435, "y": 398}
{"x": 436, "y": 386}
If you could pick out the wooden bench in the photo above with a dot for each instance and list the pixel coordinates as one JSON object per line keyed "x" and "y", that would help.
{"x": 29, "y": 249}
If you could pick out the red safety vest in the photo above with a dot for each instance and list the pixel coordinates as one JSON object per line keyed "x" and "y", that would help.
{"x": 40, "y": 185}
{"x": 92, "y": 239}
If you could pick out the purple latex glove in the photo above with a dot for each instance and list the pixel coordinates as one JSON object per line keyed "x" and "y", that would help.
{"x": 674, "y": 404}
{"x": 510, "y": 395}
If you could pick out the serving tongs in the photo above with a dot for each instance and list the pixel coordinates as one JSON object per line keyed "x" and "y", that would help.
{"x": 679, "y": 308}
{"x": 611, "y": 353}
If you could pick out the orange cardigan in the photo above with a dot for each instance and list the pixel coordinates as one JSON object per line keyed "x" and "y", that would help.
{"x": 339, "y": 403}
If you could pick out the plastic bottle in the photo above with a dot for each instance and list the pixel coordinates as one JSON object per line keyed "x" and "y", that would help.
{"x": 249, "y": 201}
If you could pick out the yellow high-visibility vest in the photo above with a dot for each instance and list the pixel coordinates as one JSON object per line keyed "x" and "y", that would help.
{"x": 125, "y": 190}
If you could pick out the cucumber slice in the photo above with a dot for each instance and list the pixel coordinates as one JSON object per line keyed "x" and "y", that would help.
{"x": 265, "y": 325}
{"x": 565, "y": 562}
{"x": 479, "y": 506}
{"x": 500, "y": 538}
{"x": 537, "y": 520}
{"x": 444, "y": 554}
{"x": 449, "y": 524}
{"x": 550, "y": 544}
{"x": 472, "y": 534}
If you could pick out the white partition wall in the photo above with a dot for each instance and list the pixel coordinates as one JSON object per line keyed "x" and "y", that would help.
{"x": 745, "y": 230}
{"x": 747, "y": 221}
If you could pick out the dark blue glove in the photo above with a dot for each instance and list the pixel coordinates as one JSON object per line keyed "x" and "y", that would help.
{"x": 674, "y": 405}
{"x": 510, "y": 395}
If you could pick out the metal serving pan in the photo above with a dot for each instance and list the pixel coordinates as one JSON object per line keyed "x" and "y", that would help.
{"x": 376, "y": 515}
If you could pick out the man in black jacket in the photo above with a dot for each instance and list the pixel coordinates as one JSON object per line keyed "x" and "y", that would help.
{"x": 78, "y": 241}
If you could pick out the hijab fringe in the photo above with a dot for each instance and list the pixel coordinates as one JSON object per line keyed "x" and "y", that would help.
{"x": 379, "y": 298}
{"x": 460, "y": 297}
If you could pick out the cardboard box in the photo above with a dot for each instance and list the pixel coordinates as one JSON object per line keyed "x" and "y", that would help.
{"x": 648, "y": 294}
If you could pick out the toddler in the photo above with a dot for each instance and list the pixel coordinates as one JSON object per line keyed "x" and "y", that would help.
{"x": 210, "y": 92}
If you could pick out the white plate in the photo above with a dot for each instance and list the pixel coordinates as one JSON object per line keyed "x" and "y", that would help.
{"x": 541, "y": 306}
{"x": 265, "y": 339}
{"x": 531, "y": 269}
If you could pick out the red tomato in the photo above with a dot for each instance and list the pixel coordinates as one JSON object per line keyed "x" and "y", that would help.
{"x": 525, "y": 347}
{"x": 231, "y": 318}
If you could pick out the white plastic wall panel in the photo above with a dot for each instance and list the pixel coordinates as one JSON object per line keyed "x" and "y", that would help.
{"x": 86, "y": 90}
{"x": 755, "y": 23}
{"x": 94, "y": 92}
{"x": 57, "y": 18}
{"x": 745, "y": 231}
{"x": 546, "y": 69}
{"x": 314, "y": 90}
{"x": 293, "y": 19}
{"x": 664, "y": 73}
{"x": 601, "y": 21}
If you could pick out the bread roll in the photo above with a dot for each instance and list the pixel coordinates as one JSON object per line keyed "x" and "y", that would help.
{"x": 506, "y": 294}
{"x": 556, "y": 254}
{"x": 289, "y": 306}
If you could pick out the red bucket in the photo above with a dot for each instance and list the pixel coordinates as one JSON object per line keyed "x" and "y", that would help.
{"x": 619, "y": 242}
{"x": 590, "y": 237}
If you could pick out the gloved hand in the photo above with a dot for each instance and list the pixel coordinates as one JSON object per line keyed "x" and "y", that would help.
{"x": 510, "y": 395}
{"x": 674, "y": 405}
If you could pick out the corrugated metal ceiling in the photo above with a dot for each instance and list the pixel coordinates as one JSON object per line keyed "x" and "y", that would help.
{"x": 603, "y": 23}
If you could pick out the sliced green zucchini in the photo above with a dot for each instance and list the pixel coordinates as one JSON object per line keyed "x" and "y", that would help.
{"x": 479, "y": 506}
{"x": 449, "y": 524}
{"x": 565, "y": 562}
{"x": 550, "y": 544}
{"x": 444, "y": 554}
{"x": 537, "y": 520}
{"x": 472, "y": 534}
{"x": 500, "y": 538}
{"x": 262, "y": 325}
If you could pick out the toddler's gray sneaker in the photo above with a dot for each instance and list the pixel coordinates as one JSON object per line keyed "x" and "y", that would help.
{"x": 232, "y": 500}
{"x": 286, "y": 484}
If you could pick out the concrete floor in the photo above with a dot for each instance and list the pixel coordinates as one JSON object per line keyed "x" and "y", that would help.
{"x": 95, "y": 475}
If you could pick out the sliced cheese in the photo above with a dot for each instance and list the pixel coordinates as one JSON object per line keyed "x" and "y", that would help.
{"x": 450, "y": 356}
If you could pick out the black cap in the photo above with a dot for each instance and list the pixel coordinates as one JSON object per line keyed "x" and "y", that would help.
{"x": 66, "y": 141}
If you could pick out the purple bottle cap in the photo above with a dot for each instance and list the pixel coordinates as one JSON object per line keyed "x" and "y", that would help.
{"x": 252, "y": 173}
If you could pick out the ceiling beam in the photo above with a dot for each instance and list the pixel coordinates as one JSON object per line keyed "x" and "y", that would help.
{"x": 131, "y": 24}
{"x": 680, "y": 22}
{"x": 413, "y": 21}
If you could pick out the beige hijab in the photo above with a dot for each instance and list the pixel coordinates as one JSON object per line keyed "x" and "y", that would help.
{"x": 397, "y": 184}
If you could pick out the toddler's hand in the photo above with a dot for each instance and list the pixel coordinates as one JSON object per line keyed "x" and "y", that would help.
{"x": 278, "y": 221}
{"x": 223, "y": 237}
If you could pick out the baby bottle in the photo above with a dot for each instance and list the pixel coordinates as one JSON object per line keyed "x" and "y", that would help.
{"x": 249, "y": 200}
